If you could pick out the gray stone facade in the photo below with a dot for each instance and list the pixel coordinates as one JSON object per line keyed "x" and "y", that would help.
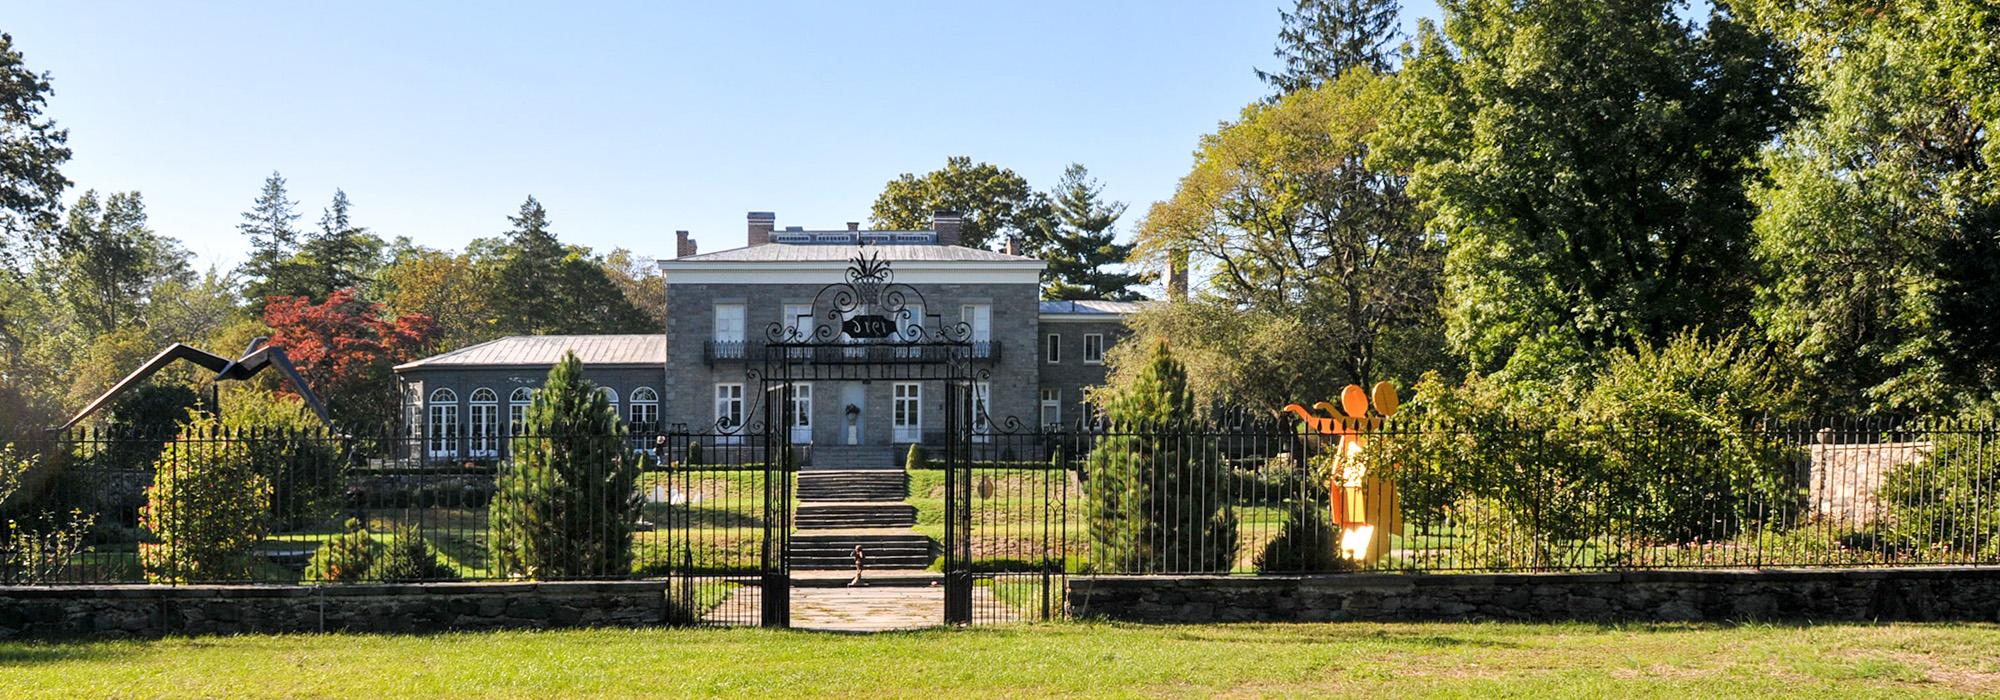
{"x": 420, "y": 388}
{"x": 1916, "y": 593}
{"x": 693, "y": 371}
{"x": 690, "y": 367}
{"x": 1072, "y": 372}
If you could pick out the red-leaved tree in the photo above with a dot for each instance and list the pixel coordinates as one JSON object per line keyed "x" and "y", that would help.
{"x": 346, "y": 349}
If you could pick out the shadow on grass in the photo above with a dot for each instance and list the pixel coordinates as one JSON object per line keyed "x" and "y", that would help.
{"x": 33, "y": 653}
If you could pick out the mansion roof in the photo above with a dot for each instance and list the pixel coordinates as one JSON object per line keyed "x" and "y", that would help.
{"x": 789, "y": 252}
{"x": 545, "y": 350}
{"x": 1091, "y": 307}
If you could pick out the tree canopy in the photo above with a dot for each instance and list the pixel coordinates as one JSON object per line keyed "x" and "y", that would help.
{"x": 32, "y": 152}
{"x": 1589, "y": 165}
{"x": 1080, "y": 244}
{"x": 1300, "y": 236}
{"x": 1879, "y": 228}
{"x": 1321, "y": 39}
{"x": 995, "y": 202}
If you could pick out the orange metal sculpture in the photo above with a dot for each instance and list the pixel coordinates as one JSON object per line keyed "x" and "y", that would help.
{"x": 1364, "y": 500}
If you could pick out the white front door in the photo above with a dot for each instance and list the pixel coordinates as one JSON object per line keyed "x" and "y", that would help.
{"x": 908, "y": 412}
{"x": 802, "y": 411}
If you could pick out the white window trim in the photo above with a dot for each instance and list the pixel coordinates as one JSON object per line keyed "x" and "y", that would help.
{"x": 441, "y": 424}
{"x": 915, "y": 399}
{"x": 1051, "y": 399}
{"x": 483, "y": 423}
{"x": 1052, "y": 348}
{"x": 731, "y": 433}
{"x": 1099, "y": 338}
{"x": 518, "y": 401}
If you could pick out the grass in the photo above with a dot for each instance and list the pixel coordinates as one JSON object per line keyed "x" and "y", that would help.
{"x": 1350, "y": 660}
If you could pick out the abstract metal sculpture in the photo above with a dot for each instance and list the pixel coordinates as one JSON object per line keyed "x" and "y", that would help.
{"x": 255, "y": 358}
{"x": 1364, "y": 500}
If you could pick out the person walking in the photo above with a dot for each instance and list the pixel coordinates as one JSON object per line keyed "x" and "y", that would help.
{"x": 860, "y": 562}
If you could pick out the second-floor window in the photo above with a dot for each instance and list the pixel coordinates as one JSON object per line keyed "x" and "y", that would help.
{"x": 728, "y": 330}
{"x": 1093, "y": 348}
{"x": 1054, "y": 349}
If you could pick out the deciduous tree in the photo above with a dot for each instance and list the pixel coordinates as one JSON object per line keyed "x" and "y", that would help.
{"x": 1305, "y": 243}
{"x": 346, "y": 349}
{"x": 32, "y": 152}
{"x": 1879, "y": 227}
{"x": 995, "y": 202}
{"x": 1588, "y": 164}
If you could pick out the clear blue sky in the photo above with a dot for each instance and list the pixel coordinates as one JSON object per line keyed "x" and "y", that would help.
{"x": 627, "y": 120}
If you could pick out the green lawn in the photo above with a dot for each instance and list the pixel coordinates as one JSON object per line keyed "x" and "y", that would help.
{"x": 1350, "y": 660}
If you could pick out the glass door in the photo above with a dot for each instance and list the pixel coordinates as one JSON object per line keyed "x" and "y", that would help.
{"x": 908, "y": 412}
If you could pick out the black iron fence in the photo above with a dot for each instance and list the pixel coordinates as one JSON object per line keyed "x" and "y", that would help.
{"x": 1254, "y": 496}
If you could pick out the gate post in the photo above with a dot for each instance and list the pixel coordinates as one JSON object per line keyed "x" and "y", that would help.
{"x": 958, "y": 505}
{"x": 777, "y": 577}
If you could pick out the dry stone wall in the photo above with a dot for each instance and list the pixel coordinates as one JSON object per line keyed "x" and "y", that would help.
{"x": 1940, "y": 593}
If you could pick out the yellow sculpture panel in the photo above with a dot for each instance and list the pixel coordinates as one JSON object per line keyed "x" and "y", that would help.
{"x": 1364, "y": 500}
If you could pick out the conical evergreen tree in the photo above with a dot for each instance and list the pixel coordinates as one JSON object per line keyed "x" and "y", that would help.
{"x": 1320, "y": 39}
{"x": 1081, "y": 245}
{"x": 273, "y": 239}
{"x": 1156, "y": 485}
{"x": 567, "y": 496}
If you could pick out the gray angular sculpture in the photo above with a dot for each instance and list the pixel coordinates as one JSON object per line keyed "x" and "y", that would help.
{"x": 255, "y": 358}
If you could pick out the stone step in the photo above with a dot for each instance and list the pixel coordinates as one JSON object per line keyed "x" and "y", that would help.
{"x": 883, "y": 577}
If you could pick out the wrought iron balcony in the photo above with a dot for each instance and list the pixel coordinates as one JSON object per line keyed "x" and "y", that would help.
{"x": 720, "y": 351}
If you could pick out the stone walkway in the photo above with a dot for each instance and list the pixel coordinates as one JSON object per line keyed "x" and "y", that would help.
{"x": 866, "y": 608}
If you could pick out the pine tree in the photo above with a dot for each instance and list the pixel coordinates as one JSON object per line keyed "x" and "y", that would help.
{"x": 1155, "y": 489}
{"x": 273, "y": 239}
{"x": 544, "y": 287}
{"x": 32, "y": 151}
{"x": 1321, "y": 39}
{"x": 564, "y": 503}
{"x": 1081, "y": 244}
{"x": 340, "y": 255}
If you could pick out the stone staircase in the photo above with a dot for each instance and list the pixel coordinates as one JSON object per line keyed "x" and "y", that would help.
{"x": 850, "y": 457}
{"x": 839, "y": 509}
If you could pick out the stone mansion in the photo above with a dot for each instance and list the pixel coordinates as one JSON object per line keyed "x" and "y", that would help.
{"x": 1034, "y": 358}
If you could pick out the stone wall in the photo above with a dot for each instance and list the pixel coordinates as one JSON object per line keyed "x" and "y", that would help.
{"x": 1846, "y": 480}
{"x": 146, "y": 611}
{"x": 1940, "y": 593}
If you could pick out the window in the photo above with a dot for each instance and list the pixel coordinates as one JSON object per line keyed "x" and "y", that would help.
{"x": 908, "y": 412}
{"x": 729, "y": 410}
{"x": 802, "y": 411}
{"x": 517, "y": 409}
{"x": 1093, "y": 348}
{"x": 728, "y": 330}
{"x": 610, "y": 396}
{"x": 645, "y": 409}
{"x": 485, "y": 423}
{"x": 979, "y": 317}
{"x": 1054, "y": 348}
{"x": 982, "y": 395}
{"x": 799, "y": 325}
{"x": 443, "y": 424}
{"x": 1051, "y": 407}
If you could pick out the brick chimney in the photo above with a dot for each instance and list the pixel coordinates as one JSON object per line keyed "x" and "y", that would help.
{"x": 946, "y": 224}
{"x": 761, "y": 223}
{"x": 853, "y": 225}
{"x": 1013, "y": 245}
{"x": 1177, "y": 275}
{"x": 683, "y": 246}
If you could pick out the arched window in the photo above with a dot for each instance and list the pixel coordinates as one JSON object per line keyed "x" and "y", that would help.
{"x": 517, "y": 409}
{"x": 610, "y": 396}
{"x": 484, "y": 420}
{"x": 442, "y": 424}
{"x": 645, "y": 409}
